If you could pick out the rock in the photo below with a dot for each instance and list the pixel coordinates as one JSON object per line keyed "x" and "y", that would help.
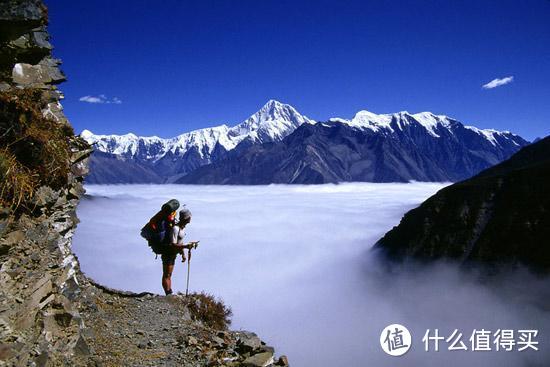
{"x": 81, "y": 348}
{"x": 247, "y": 342}
{"x": 61, "y": 201}
{"x": 63, "y": 318}
{"x": 31, "y": 46}
{"x": 45, "y": 196}
{"x": 10, "y": 240}
{"x": 41, "y": 39}
{"x": 77, "y": 190}
{"x": 267, "y": 348}
{"x": 38, "y": 76}
{"x": 217, "y": 340}
{"x": 54, "y": 111}
{"x": 22, "y": 11}
{"x": 80, "y": 169}
{"x": 80, "y": 154}
{"x": 259, "y": 360}
{"x": 282, "y": 361}
{"x": 42, "y": 359}
{"x": 71, "y": 289}
{"x": 41, "y": 288}
{"x": 142, "y": 345}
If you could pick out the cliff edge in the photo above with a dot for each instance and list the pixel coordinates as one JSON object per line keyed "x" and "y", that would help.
{"x": 51, "y": 314}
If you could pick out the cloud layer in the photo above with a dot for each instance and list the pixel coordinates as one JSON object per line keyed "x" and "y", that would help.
{"x": 100, "y": 99}
{"x": 498, "y": 82}
{"x": 293, "y": 263}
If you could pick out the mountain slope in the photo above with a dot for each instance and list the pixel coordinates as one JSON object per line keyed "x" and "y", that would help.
{"x": 174, "y": 157}
{"x": 116, "y": 169}
{"x": 502, "y": 215}
{"x": 374, "y": 148}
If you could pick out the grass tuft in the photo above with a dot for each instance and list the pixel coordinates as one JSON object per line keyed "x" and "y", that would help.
{"x": 211, "y": 311}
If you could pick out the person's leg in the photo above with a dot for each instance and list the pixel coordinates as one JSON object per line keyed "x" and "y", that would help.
{"x": 167, "y": 277}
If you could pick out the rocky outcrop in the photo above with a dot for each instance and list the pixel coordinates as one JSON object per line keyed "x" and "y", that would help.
{"x": 499, "y": 217}
{"x": 51, "y": 314}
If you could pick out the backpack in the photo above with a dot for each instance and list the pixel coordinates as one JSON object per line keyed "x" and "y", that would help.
{"x": 158, "y": 237}
{"x": 157, "y": 240}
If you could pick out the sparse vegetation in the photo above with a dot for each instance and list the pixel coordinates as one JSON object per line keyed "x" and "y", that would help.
{"x": 212, "y": 312}
{"x": 34, "y": 150}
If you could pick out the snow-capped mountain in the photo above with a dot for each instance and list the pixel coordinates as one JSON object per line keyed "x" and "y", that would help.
{"x": 435, "y": 125}
{"x": 181, "y": 154}
{"x": 396, "y": 147}
{"x": 272, "y": 122}
{"x": 367, "y": 147}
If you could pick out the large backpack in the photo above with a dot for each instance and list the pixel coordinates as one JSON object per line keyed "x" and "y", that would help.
{"x": 158, "y": 237}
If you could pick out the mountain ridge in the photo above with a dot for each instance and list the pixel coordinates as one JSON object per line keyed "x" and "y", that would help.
{"x": 498, "y": 217}
{"x": 273, "y": 121}
{"x": 396, "y": 151}
{"x": 171, "y": 160}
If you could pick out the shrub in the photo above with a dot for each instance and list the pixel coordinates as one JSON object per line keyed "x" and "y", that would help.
{"x": 18, "y": 182}
{"x": 34, "y": 150}
{"x": 211, "y": 311}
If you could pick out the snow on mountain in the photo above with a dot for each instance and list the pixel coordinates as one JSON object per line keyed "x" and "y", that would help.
{"x": 421, "y": 146}
{"x": 389, "y": 123}
{"x": 272, "y": 122}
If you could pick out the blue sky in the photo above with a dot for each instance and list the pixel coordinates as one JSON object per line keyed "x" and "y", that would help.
{"x": 170, "y": 68}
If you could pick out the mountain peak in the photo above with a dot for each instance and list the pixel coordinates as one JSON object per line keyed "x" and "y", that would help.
{"x": 276, "y": 109}
{"x": 272, "y": 122}
{"x": 274, "y": 103}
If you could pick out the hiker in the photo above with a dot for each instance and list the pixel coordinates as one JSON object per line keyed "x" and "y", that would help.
{"x": 175, "y": 247}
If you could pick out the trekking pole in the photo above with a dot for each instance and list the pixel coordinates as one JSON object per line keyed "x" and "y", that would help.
{"x": 188, "y": 271}
{"x": 193, "y": 245}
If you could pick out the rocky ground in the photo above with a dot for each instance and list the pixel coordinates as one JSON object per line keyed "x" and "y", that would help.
{"x": 50, "y": 313}
{"x": 152, "y": 330}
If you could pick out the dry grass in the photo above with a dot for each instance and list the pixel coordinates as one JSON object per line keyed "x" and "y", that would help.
{"x": 17, "y": 182}
{"x": 211, "y": 311}
{"x": 34, "y": 150}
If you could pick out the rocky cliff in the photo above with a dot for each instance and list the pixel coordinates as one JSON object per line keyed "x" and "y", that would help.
{"x": 499, "y": 217}
{"x": 51, "y": 314}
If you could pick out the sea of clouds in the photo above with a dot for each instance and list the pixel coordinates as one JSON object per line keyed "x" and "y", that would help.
{"x": 295, "y": 265}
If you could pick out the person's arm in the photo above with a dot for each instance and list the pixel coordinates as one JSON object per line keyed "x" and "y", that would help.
{"x": 174, "y": 236}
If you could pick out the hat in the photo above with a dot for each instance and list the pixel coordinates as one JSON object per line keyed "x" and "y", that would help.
{"x": 185, "y": 214}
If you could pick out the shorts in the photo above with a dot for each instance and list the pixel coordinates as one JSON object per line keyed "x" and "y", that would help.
{"x": 169, "y": 254}
{"x": 169, "y": 259}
